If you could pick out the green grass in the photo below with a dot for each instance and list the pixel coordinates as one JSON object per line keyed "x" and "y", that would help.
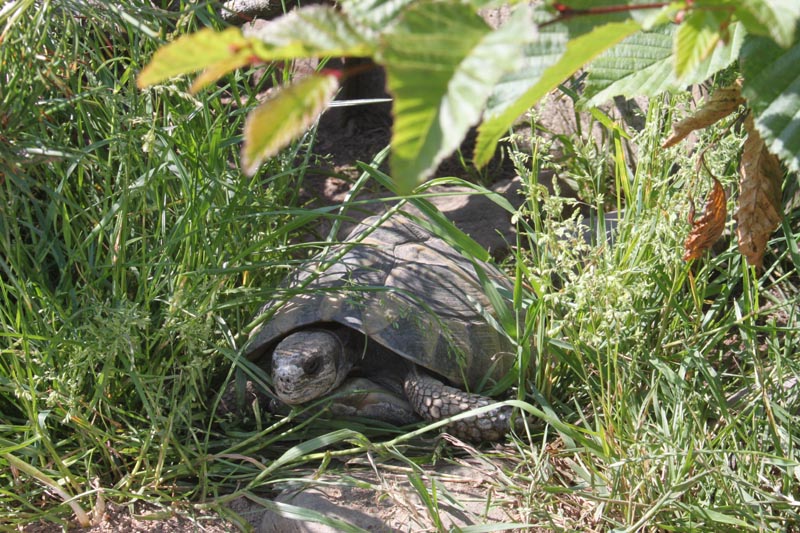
{"x": 133, "y": 255}
{"x": 132, "y": 250}
{"x": 677, "y": 370}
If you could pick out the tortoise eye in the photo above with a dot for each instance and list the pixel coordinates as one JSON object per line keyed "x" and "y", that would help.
{"x": 312, "y": 366}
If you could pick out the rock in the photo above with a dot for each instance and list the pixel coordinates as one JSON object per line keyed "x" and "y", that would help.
{"x": 239, "y": 12}
{"x": 478, "y": 216}
{"x": 474, "y": 214}
{"x": 348, "y": 504}
{"x": 467, "y": 495}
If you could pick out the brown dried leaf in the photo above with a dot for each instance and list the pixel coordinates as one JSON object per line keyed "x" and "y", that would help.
{"x": 760, "y": 209}
{"x": 708, "y": 228}
{"x": 722, "y": 103}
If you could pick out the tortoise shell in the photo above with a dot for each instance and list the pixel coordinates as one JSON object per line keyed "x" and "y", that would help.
{"x": 406, "y": 289}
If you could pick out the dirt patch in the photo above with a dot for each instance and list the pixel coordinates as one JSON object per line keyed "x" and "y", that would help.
{"x": 381, "y": 497}
{"x": 142, "y": 517}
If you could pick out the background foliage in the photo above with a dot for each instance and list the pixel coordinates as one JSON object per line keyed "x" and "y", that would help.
{"x": 448, "y": 69}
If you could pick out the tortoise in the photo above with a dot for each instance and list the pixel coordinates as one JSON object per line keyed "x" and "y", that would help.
{"x": 394, "y": 323}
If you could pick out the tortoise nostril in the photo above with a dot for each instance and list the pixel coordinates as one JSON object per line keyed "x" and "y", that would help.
{"x": 312, "y": 366}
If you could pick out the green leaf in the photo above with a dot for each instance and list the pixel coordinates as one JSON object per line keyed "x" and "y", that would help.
{"x": 52, "y": 484}
{"x": 297, "y": 452}
{"x": 442, "y": 61}
{"x": 641, "y": 65}
{"x": 696, "y": 39}
{"x": 771, "y": 85}
{"x": 586, "y": 15}
{"x": 717, "y": 516}
{"x": 279, "y": 120}
{"x": 374, "y": 14}
{"x": 312, "y": 31}
{"x": 776, "y": 18}
{"x": 221, "y": 52}
{"x": 538, "y": 56}
{"x": 579, "y": 51}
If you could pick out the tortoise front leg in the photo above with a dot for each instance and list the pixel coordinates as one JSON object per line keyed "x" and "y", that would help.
{"x": 434, "y": 400}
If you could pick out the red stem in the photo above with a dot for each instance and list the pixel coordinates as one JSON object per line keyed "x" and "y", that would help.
{"x": 565, "y": 12}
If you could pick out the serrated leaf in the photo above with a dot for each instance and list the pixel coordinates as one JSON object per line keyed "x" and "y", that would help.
{"x": 641, "y": 65}
{"x": 579, "y": 51}
{"x": 221, "y": 52}
{"x": 442, "y": 61}
{"x": 760, "y": 209}
{"x": 771, "y": 84}
{"x": 721, "y": 103}
{"x": 583, "y": 16}
{"x": 708, "y": 228}
{"x": 279, "y": 120}
{"x": 376, "y": 15}
{"x": 776, "y": 18}
{"x": 696, "y": 37}
{"x": 217, "y": 70}
{"x": 537, "y": 57}
{"x": 311, "y": 31}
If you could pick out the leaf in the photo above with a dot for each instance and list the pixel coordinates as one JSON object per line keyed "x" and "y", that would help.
{"x": 579, "y": 51}
{"x": 537, "y": 56}
{"x": 696, "y": 38}
{"x": 642, "y": 65}
{"x": 442, "y": 61}
{"x": 279, "y": 120}
{"x": 216, "y": 71}
{"x": 771, "y": 85}
{"x": 760, "y": 209}
{"x": 221, "y": 52}
{"x": 374, "y": 14}
{"x": 311, "y": 31}
{"x": 722, "y": 103}
{"x": 776, "y": 18}
{"x": 52, "y": 484}
{"x": 710, "y": 515}
{"x": 583, "y": 16}
{"x": 708, "y": 228}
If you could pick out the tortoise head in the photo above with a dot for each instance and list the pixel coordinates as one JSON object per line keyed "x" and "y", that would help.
{"x": 308, "y": 364}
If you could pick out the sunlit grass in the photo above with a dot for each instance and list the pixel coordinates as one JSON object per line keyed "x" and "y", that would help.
{"x": 131, "y": 249}
{"x": 677, "y": 370}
